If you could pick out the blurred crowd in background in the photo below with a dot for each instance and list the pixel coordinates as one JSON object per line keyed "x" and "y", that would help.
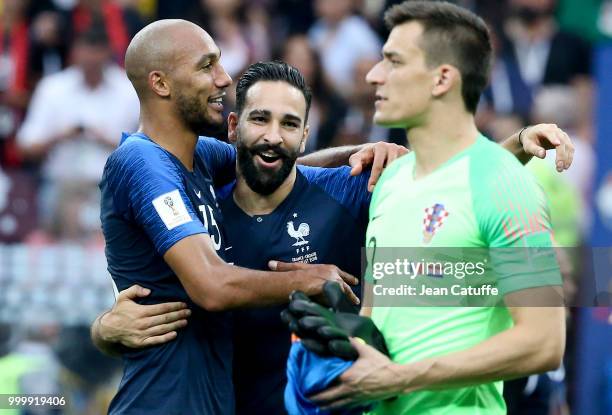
{"x": 65, "y": 99}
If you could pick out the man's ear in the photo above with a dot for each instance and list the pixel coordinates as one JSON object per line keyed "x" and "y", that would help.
{"x": 447, "y": 76}
{"x": 158, "y": 82}
{"x": 232, "y": 127}
{"x": 304, "y": 138}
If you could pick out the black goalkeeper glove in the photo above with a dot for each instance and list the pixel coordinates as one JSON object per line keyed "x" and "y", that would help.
{"x": 326, "y": 331}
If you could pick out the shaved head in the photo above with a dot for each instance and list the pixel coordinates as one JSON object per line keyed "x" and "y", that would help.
{"x": 175, "y": 68}
{"x": 157, "y": 47}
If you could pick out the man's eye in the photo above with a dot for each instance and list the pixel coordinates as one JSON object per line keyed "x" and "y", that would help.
{"x": 259, "y": 119}
{"x": 207, "y": 66}
{"x": 290, "y": 124}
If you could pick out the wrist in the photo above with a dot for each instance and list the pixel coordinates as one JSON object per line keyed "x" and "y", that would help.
{"x": 104, "y": 331}
{"x": 520, "y": 135}
{"x": 411, "y": 377}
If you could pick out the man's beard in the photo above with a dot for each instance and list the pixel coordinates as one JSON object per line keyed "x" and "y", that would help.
{"x": 195, "y": 117}
{"x": 264, "y": 182}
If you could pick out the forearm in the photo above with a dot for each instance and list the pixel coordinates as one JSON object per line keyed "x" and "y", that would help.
{"x": 330, "y": 157}
{"x": 516, "y": 352}
{"x": 512, "y": 145}
{"x": 103, "y": 340}
{"x": 235, "y": 287}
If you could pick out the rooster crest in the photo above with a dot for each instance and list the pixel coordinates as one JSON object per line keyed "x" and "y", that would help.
{"x": 299, "y": 234}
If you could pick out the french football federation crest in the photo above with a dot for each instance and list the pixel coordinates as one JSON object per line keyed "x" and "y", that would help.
{"x": 433, "y": 220}
{"x": 302, "y": 231}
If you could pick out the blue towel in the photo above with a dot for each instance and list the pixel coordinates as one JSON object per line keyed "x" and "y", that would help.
{"x": 309, "y": 373}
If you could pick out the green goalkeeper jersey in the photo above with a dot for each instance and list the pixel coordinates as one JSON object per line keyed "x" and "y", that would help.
{"x": 481, "y": 197}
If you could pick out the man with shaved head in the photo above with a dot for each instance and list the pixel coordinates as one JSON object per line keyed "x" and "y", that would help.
{"x": 163, "y": 230}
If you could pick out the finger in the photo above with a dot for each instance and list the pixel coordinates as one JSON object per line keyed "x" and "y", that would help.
{"x": 348, "y": 278}
{"x": 377, "y": 168}
{"x": 570, "y": 149}
{"x": 350, "y": 294}
{"x": 531, "y": 147}
{"x": 315, "y": 347}
{"x": 549, "y": 134}
{"x": 332, "y": 332}
{"x": 356, "y": 162}
{"x": 561, "y": 157}
{"x": 337, "y": 299}
{"x": 166, "y": 328}
{"x": 163, "y": 308}
{"x": 330, "y": 395}
{"x": 286, "y": 266}
{"x": 135, "y": 291}
{"x": 155, "y": 340}
{"x": 312, "y": 323}
{"x": 298, "y": 295}
{"x": 302, "y": 308}
{"x": 166, "y": 318}
{"x": 342, "y": 349}
{"x": 362, "y": 348}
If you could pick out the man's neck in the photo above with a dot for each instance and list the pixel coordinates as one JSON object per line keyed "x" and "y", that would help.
{"x": 445, "y": 134}
{"x": 253, "y": 203}
{"x": 171, "y": 134}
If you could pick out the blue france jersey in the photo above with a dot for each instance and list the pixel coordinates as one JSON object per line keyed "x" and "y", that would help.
{"x": 322, "y": 220}
{"x": 150, "y": 201}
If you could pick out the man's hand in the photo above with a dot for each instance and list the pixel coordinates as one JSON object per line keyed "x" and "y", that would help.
{"x": 378, "y": 155}
{"x": 536, "y": 139}
{"x": 373, "y": 377}
{"x": 136, "y": 326}
{"x": 319, "y": 274}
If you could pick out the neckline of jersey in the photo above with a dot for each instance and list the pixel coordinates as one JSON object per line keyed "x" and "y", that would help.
{"x": 172, "y": 156}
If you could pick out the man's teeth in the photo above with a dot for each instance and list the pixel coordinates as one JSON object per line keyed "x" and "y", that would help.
{"x": 218, "y": 100}
{"x": 269, "y": 154}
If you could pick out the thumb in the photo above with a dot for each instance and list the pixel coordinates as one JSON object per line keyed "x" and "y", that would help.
{"x": 536, "y": 150}
{"x": 285, "y": 266}
{"x": 357, "y": 165}
{"x": 361, "y": 346}
{"x": 133, "y": 292}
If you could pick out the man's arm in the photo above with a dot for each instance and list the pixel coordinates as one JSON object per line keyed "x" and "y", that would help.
{"x": 534, "y": 344}
{"x": 215, "y": 285}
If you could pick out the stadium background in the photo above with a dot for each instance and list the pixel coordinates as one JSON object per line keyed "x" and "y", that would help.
{"x": 54, "y": 131}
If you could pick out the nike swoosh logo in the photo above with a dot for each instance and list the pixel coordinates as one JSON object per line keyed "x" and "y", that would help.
{"x": 375, "y": 217}
{"x": 198, "y": 194}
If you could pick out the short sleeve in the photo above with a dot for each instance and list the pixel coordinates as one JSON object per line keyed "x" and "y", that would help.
{"x": 514, "y": 221}
{"x": 220, "y": 158}
{"x": 148, "y": 189}
{"x": 349, "y": 191}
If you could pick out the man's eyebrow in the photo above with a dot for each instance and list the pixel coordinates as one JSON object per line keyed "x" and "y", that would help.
{"x": 389, "y": 54}
{"x": 291, "y": 117}
{"x": 259, "y": 113}
{"x": 209, "y": 56}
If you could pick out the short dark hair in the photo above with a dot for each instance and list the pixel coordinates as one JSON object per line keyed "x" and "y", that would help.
{"x": 453, "y": 35}
{"x": 271, "y": 71}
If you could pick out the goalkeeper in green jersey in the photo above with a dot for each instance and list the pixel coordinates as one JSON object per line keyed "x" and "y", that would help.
{"x": 455, "y": 189}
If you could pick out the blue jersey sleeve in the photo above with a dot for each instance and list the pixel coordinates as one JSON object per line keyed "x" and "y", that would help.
{"x": 220, "y": 159}
{"x": 350, "y": 191}
{"x": 148, "y": 190}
